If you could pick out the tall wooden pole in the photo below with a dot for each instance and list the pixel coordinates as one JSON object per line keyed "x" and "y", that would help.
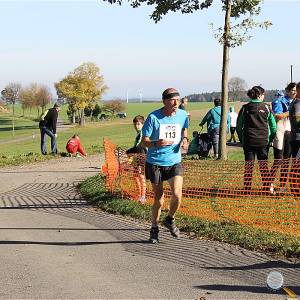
{"x": 224, "y": 94}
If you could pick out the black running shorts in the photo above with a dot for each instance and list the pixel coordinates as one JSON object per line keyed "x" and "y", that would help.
{"x": 158, "y": 174}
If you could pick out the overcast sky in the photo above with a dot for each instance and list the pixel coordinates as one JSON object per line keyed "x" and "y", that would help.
{"x": 41, "y": 41}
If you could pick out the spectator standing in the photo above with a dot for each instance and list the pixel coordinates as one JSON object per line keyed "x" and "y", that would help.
{"x": 183, "y": 105}
{"x": 256, "y": 128}
{"x": 138, "y": 123}
{"x": 74, "y": 146}
{"x": 294, "y": 116}
{"x": 48, "y": 127}
{"x": 232, "y": 118}
{"x": 164, "y": 133}
{"x": 213, "y": 120}
{"x": 281, "y": 143}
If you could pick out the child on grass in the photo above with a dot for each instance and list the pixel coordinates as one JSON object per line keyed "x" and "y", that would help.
{"x": 74, "y": 146}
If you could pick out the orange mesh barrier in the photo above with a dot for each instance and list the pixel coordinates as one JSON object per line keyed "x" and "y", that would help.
{"x": 261, "y": 194}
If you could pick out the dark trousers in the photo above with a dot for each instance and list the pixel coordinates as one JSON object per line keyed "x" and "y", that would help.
{"x": 295, "y": 169}
{"x": 295, "y": 146}
{"x": 262, "y": 156}
{"x": 214, "y": 136}
{"x": 281, "y": 159}
{"x": 44, "y": 132}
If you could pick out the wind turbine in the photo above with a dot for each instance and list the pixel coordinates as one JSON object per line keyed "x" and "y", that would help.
{"x": 127, "y": 95}
{"x": 140, "y": 91}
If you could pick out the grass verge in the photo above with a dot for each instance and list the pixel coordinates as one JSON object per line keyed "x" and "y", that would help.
{"x": 273, "y": 243}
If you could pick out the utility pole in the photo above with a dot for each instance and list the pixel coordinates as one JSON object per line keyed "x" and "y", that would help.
{"x": 291, "y": 73}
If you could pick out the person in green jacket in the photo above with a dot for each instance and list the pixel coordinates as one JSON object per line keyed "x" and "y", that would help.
{"x": 256, "y": 129}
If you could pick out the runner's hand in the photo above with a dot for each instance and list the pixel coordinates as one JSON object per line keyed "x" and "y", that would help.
{"x": 163, "y": 143}
{"x": 184, "y": 144}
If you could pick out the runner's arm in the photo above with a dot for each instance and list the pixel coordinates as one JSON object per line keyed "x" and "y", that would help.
{"x": 272, "y": 126}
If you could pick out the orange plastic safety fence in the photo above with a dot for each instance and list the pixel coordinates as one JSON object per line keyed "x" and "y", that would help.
{"x": 261, "y": 194}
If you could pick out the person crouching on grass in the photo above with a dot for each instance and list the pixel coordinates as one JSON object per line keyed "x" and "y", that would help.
{"x": 164, "y": 133}
{"x": 74, "y": 146}
{"x": 138, "y": 122}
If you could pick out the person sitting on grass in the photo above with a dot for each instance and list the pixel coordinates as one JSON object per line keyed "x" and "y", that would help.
{"x": 193, "y": 146}
{"x": 138, "y": 122}
{"x": 74, "y": 147}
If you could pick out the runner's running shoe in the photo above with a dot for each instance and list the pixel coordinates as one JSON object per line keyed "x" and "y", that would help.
{"x": 154, "y": 235}
{"x": 170, "y": 224}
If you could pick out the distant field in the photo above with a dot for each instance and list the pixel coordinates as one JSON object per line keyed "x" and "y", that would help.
{"x": 120, "y": 131}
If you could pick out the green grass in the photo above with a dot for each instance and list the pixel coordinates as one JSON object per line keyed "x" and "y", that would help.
{"x": 119, "y": 131}
{"x": 132, "y": 109}
{"x": 273, "y": 243}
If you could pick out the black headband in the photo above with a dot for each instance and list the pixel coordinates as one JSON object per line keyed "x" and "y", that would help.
{"x": 171, "y": 95}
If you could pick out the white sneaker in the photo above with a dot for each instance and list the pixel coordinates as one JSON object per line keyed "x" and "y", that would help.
{"x": 272, "y": 189}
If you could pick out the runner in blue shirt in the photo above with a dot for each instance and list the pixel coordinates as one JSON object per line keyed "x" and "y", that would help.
{"x": 164, "y": 133}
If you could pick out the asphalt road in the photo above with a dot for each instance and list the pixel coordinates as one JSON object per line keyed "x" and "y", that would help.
{"x": 54, "y": 244}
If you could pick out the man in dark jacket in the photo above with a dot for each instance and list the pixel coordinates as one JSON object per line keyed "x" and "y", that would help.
{"x": 48, "y": 127}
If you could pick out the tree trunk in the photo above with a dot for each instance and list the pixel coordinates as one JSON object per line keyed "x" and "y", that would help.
{"x": 224, "y": 94}
{"x": 82, "y": 120}
{"x": 73, "y": 117}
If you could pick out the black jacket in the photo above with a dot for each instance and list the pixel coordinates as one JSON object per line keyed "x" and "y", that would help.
{"x": 255, "y": 119}
{"x": 295, "y": 119}
{"x": 137, "y": 148}
{"x": 50, "y": 119}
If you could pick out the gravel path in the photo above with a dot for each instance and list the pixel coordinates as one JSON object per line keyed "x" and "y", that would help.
{"x": 54, "y": 244}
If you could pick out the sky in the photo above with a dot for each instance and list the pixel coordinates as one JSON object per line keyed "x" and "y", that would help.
{"x": 42, "y": 41}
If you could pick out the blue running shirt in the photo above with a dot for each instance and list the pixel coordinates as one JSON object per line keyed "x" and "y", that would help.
{"x": 158, "y": 126}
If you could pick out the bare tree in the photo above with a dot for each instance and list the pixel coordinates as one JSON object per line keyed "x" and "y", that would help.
{"x": 10, "y": 95}
{"x": 43, "y": 96}
{"x": 237, "y": 87}
{"x": 28, "y": 96}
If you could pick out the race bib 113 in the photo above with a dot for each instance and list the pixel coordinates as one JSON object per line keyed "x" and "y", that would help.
{"x": 170, "y": 132}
